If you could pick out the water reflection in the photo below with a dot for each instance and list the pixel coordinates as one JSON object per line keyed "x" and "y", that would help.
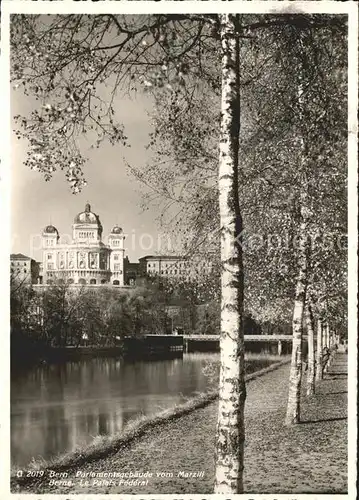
{"x": 54, "y": 408}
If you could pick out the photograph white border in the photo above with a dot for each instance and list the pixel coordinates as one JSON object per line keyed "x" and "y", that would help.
{"x": 135, "y": 7}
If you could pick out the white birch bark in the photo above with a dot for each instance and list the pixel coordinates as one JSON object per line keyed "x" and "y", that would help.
{"x": 295, "y": 376}
{"x": 230, "y": 426}
{"x": 311, "y": 360}
{"x": 326, "y": 335}
{"x": 319, "y": 357}
{"x": 326, "y": 344}
{"x": 330, "y": 345}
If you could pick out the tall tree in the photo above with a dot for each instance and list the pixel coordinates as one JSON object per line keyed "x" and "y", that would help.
{"x": 319, "y": 353}
{"x": 232, "y": 393}
{"x": 311, "y": 350}
{"x": 65, "y": 61}
{"x": 66, "y": 58}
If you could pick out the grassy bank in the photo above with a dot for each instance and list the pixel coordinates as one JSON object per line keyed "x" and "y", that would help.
{"x": 103, "y": 446}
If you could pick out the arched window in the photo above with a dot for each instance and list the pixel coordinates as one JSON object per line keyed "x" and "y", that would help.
{"x": 103, "y": 282}
{"x": 92, "y": 282}
{"x": 49, "y": 282}
{"x": 70, "y": 281}
{"x": 60, "y": 282}
{"x": 116, "y": 282}
{"x": 82, "y": 281}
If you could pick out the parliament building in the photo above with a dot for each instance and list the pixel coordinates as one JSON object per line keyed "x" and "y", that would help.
{"x": 87, "y": 260}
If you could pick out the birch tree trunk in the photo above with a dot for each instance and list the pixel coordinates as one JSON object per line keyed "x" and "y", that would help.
{"x": 330, "y": 345}
{"x": 232, "y": 393}
{"x": 295, "y": 376}
{"x": 326, "y": 344}
{"x": 319, "y": 358}
{"x": 311, "y": 360}
{"x": 326, "y": 337}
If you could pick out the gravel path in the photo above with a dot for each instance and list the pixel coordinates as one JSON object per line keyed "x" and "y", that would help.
{"x": 310, "y": 457}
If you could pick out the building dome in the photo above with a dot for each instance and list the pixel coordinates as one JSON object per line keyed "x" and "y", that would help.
{"x": 50, "y": 229}
{"x": 116, "y": 230}
{"x": 87, "y": 217}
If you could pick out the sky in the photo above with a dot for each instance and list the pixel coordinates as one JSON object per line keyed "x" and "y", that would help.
{"x": 113, "y": 193}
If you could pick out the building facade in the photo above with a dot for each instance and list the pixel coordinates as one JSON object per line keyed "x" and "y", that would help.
{"x": 87, "y": 260}
{"x": 23, "y": 269}
{"x": 131, "y": 272}
{"x": 172, "y": 266}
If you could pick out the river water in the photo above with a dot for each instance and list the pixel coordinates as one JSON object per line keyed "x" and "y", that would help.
{"x": 55, "y": 408}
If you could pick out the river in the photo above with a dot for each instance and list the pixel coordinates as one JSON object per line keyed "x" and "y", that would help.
{"x": 57, "y": 407}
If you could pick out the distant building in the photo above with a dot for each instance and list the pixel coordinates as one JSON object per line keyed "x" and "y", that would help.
{"x": 164, "y": 265}
{"x": 131, "y": 272}
{"x": 172, "y": 266}
{"x": 23, "y": 269}
{"x": 86, "y": 260}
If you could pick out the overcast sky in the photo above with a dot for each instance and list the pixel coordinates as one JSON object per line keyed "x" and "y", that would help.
{"x": 112, "y": 192}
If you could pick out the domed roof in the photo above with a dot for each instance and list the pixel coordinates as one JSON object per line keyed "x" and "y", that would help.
{"x": 50, "y": 229}
{"x": 116, "y": 229}
{"x": 87, "y": 217}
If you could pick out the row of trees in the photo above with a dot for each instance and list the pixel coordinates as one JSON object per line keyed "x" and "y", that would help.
{"x": 292, "y": 173}
{"x": 63, "y": 315}
{"x": 268, "y": 92}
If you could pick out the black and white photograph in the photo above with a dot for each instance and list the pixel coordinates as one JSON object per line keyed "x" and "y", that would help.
{"x": 179, "y": 267}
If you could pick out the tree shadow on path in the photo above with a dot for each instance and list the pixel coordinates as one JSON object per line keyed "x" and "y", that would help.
{"x": 332, "y": 393}
{"x": 319, "y": 420}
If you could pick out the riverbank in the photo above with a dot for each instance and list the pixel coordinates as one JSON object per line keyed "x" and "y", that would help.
{"x": 310, "y": 457}
{"x": 101, "y": 446}
{"x": 141, "y": 348}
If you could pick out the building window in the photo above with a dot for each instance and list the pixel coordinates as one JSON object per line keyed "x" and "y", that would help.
{"x": 82, "y": 281}
{"x": 49, "y": 256}
{"x": 24, "y": 270}
{"x": 116, "y": 256}
{"x": 103, "y": 282}
{"x": 92, "y": 282}
{"x": 116, "y": 282}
